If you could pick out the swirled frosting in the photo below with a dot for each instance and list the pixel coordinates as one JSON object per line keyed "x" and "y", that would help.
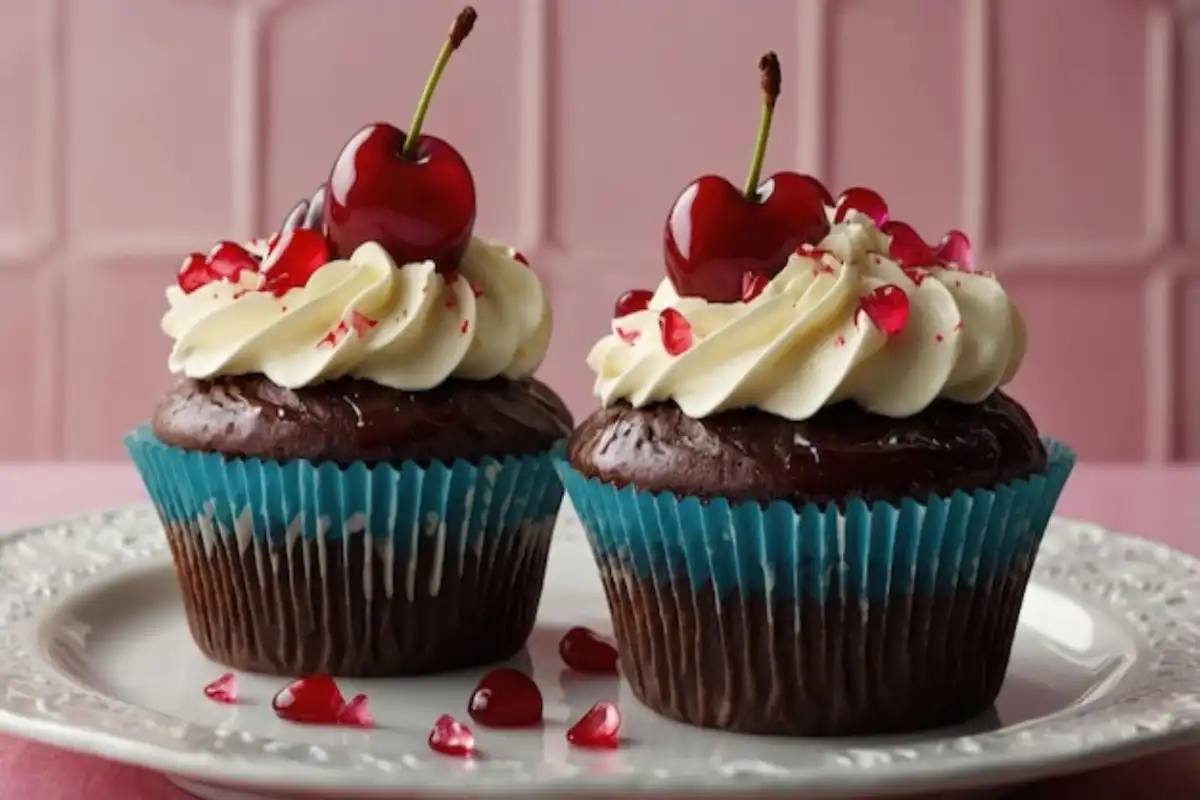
{"x": 808, "y": 339}
{"x": 402, "y": 326}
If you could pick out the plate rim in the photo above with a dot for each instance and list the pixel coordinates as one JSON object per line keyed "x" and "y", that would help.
{"x": 963, "y": 763}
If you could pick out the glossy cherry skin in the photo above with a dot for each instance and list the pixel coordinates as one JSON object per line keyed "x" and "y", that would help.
{"x": 418, "y": 210}
{"x": 715, "y": 235}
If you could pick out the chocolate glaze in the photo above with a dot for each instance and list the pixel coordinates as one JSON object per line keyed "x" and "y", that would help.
{"x": 842, "y": 452}
{"x": 844, "y": 667}
{"x": 348, "y": 420}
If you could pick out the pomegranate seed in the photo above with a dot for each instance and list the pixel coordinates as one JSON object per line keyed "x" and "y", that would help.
{"x": 819, "y": 188}
{"x": 907, "y": 248}
{"x": 227, "y": 260}
{"x": 753, "y": 284}
{"x": 450, "y": 737}
{"x": 506, "y": 698}
{"x": 887, "y": 307}
{"x": 633, "y": 301}
{"x": 355, "y": 714}
{"x": 584, "y": 650}
{"x": 676, "y": 332}
{"x": 223, "y": 690}
{"x": 863, "y": 200}
{"x": 315, "y": 700}
{"x": 599, "y": 728}
{"x": 293, "y": 261}
{"x": 194, "y": 273}
{"x": 628, "y": 336}
{"x": 955, "y": 248}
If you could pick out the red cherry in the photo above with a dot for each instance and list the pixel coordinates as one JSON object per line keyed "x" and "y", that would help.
{"x": 865, "y": 201}
{"x": 223, "y": 690}
{"x": 714, "y": 235}
{"x": 506, "y": 698}
{"x": 194, "y": 273}
{"x": 753, "y": 284}
{"x": 907, "y": 247}
{"x": 297, "y": 255}
{"x": 355, "y": 714}
{"x": 412, "y": 194}
{"x": 820, "y": 190}
{"x": 955, "y": 248}
{"x": 584, "y": 650}
{"x": 633, "y": 301}
{"x": 314, "y": 215}
{"x": 315, "y": 700}
{"x": 227, "y": 260}
{"x": 450, "y": 737}
{"x": 599, "y": 728}
{"x": 887, "y": 306}
{"x": 676, "y": 332}
{"x": 421, "y": 209}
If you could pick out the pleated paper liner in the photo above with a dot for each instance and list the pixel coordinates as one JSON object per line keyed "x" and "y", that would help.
{"x": 292, "y": 568}
{"x": 817, "y": 621}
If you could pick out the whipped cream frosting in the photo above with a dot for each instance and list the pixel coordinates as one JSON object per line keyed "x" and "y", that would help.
{"x": 806, "y": 341}
{"x": 402, "y": 326}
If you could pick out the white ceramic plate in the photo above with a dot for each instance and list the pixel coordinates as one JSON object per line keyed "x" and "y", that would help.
{"x": 95, "y": 656}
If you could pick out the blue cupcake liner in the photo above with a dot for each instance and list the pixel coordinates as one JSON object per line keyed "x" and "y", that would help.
{"x": 934, "y": 545}
{"x": 405, "y": 508}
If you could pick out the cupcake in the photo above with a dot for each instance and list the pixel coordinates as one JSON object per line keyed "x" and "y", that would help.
{"x": 814, "y": 509}
{"x": 354, "y": 470}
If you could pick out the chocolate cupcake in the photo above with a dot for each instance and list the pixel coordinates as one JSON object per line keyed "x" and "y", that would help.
{"x": 354, "y": 471}
{"x": 813, "y": 510}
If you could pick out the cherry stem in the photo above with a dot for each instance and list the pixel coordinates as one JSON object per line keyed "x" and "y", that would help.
{"x": 768, "y": 67}
{"x": 458, "y": 31}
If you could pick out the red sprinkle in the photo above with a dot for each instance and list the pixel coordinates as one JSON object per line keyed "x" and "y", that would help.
{"x": 475, "y": 289}
{"x": 506, "y": 698}
{"x": 628, "y": 336}
{"x": 887, "y": 307}
{"x": 334, "y": 336}
{"x": 450, "y": 737}
{"x": 584, "y": 650}
{"x": 464, "y": 326}
{"x": 840, "y": 341}
{"x": 917, "y": 276}
{"x": 811, "y": 251}
{"x": 958, "y": 325}
{"x": 520, "y": 257}
{"x": 599, "y": 728}
{"x": 361, "y": 323}
{"x": 451, "y": 301}
{"x": 633, "y": 301}
{"x": 315, "y": 700}
{"x": 937, "y": 337}
{"x": 676, "y": 332}
{"x": 753, "y": 284}
{"x": 223, "y": 690}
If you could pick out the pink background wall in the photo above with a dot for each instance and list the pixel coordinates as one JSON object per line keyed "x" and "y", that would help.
{"x": 1063, "y": 136}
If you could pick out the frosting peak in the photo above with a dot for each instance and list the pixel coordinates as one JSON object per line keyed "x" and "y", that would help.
{"x": 816, "y": 335}
{"x": 402, "y": 326}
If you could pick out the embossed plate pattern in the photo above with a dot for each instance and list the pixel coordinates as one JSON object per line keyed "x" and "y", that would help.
{"x": 94, "y": 656}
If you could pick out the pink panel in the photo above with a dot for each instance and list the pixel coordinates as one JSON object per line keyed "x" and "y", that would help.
{"x": 1084, "y": 377}
{"x": 1071, "y": 120}
{"x": 23, "y": 40}
{"x": 150, "y": 126}
{"x": 648, "y": 96}
{"x": 1189, "y": 109}
{"x": 1188, "y": 361}
{"x": 112, "y": 328}
{"x": 896, "y": 106}
{"x": 374, "y": 69}
{"x": 28, "y": 395}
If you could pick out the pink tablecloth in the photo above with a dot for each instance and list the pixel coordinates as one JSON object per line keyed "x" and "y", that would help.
{"x": 1158, "y": 503}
